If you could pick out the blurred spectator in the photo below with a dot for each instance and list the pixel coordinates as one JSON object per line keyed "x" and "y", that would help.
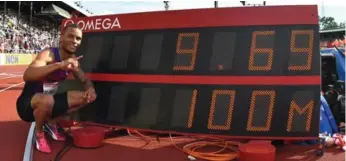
{"x": 341, "y": 43}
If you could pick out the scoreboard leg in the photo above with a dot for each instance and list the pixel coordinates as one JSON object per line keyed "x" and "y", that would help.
{"x": 321, "y": 146}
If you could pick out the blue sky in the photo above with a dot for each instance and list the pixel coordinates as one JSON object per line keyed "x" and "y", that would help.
{"x": 332, "y": 8}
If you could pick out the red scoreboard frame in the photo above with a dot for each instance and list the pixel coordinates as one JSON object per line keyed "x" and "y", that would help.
{"x": 294, "y": 18}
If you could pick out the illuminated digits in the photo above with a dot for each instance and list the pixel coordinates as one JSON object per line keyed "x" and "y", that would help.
{"x": 192, "y": 108}
{"x": 184, "y": 108}
{"x": 294, "y": 108}
{"x": 191, "y": 51}
{"x": 254, "y": 51}
{"x": 226, "y": 126}
{"x": 255, "y": 95}
{"x": 306, "y": 50}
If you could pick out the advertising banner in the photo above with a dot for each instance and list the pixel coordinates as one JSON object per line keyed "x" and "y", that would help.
{"x": 15, "y": 59}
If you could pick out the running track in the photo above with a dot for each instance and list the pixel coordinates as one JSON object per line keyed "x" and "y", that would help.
{"x": 13, "y": 131}
{"x": 14, "y": 134}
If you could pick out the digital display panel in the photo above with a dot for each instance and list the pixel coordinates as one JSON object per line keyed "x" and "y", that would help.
{"x": 258, "y": 77}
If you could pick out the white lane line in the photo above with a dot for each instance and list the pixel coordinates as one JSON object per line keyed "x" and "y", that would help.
{"x": 7, "y": 84}
{"x": 29, "y": 146}
{"x": 7, "y": 73}
{"x": 11, "y": 74}
{"x": 15, "y": 85}
{"x": 10, "y": 77}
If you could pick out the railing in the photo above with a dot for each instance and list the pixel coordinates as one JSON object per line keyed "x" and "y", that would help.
{"x": 16, "y": 51}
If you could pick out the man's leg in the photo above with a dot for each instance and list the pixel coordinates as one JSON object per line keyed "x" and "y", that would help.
{"x": 46, "y": 106}
{"x": 75, "y": 101}
{"x": 42, "y": 105}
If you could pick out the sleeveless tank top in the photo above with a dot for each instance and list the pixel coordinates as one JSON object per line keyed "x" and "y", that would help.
{"x": 50, "y": 83}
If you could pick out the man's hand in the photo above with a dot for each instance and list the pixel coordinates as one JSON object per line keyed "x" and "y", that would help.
{"x": 71, "y": 64}
{"x": 90, "y": 95}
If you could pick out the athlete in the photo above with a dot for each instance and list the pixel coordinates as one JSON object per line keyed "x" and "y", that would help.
{"x": 39, "y": 101}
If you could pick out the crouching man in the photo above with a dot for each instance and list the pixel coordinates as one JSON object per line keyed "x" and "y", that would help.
{"x": 39, "y": 102}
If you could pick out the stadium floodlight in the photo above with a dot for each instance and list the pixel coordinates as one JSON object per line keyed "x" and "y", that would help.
{"x": 166, "y": 5}
{"x": 244, "y": 4}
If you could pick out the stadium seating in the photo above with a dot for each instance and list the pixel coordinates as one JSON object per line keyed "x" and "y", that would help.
{"x": 20, "y": 38}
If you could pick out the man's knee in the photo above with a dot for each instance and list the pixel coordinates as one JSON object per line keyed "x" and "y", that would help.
{"x": 76, "y": 98}
{"x": 42, "y": 101}
{"x": 42, "y": 104}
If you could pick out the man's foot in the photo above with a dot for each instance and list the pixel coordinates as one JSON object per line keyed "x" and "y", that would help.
{"x": 41, "y": 143}
{"x": 53, "y": 131}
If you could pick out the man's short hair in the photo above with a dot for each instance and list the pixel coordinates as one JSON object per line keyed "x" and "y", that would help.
{"x": 71, "y": 25}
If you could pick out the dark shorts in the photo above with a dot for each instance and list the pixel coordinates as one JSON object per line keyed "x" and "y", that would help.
{"x": 25, "y": 110}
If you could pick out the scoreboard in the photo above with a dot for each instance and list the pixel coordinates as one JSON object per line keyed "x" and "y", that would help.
{"x": 247, "y": 72}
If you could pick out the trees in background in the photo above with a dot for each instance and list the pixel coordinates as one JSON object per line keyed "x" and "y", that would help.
{"x": 327, "y": 23}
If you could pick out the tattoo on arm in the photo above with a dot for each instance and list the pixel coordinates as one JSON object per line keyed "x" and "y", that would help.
{"x": 80, "y": 75}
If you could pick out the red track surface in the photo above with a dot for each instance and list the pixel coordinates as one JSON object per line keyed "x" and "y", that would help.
{"x": 13, "y": 131}
{"x": 14, "y": 135}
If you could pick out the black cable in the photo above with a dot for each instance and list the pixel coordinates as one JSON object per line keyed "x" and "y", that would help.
{"x": 69, "y": 141}
{"x": 67, "y": 146}
{"x": 338, "y": 50}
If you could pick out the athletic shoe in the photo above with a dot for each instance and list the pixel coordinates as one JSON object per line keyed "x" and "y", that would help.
{"x": 53, "y": 131}
{"x": 41, "y": 143}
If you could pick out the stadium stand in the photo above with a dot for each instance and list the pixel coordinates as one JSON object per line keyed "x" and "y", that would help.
{"x": 329, "y": 38}
{"x": 37, "y": 26}
{"x": 39, "y": 23}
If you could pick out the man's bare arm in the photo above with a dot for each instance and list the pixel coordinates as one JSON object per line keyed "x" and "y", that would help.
{"x": 39, "y": 68}
{"x": 80, "y": 75}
